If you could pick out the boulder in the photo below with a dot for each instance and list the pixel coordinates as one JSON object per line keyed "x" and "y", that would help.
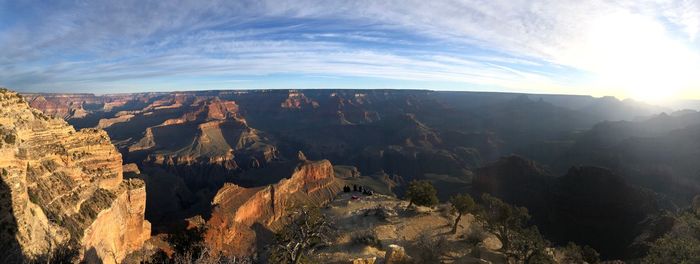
{"x": 491, "y": 242}
{"x": 395, "y": 255}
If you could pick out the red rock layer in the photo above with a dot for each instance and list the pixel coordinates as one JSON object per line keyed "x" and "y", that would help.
{"x": 239, "y": 212}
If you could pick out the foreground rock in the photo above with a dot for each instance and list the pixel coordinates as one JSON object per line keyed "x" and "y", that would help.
{"x": 62, "y": 190}
{"x": 243, "y": 217}
{"x": 398, "y": 236}
{"x": 396, "y": 255}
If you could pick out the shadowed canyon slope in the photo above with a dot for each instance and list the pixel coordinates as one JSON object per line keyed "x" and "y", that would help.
{"x": 64, "y": 189}
{"x": 590, "y": 205}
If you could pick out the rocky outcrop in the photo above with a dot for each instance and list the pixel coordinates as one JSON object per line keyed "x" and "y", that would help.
{"x": 241, "y": 215}
{"x": 64, "y": 189}
{"x": 220, "y": 109}
{"x": 110, "y": 243}
{"x": 297, "y": 100}
{"x": 207, "y": 144}
{"x": 396, "y": 255}
{"x": 107, "y": 122}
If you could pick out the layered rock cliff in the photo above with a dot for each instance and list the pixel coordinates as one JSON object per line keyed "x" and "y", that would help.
{"x": 242, "y": 216}
{"x": 63, "y": 105}
{"x": 63, "y": 188}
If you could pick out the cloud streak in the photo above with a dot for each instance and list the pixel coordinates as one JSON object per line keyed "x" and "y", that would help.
{"x": 103, "y": 46}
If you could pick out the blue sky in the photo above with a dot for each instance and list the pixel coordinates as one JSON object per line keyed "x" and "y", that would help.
{"x": 622, "y": 48}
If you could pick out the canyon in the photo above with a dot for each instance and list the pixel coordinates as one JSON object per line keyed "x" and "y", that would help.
{"x": 232, "y": 164}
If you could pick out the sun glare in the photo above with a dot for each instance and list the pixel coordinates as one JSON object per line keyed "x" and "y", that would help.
{"x": 634, "y": 56}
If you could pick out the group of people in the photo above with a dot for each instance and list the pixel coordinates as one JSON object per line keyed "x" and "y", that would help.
{"x": 355, "y": 188}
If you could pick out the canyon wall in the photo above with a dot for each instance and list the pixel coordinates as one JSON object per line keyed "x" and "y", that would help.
{"x": 63, "y": 189}
{"x": 243, "y": 216}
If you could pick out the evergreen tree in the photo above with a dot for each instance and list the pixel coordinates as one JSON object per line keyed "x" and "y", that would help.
{"x": 421, "y": 193}
{"x": 461, "y": 204}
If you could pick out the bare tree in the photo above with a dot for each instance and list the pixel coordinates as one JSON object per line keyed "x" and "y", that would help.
{"x": 307, "y": 230}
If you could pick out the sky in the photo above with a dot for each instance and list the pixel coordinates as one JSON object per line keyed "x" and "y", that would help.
{"x": 647, "y": 50}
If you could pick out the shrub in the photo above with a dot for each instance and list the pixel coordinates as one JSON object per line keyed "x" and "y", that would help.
{"x": 10, "y": 139}
{"x": 367, "y": 238}
{"x": 60, "y": 255}
{"x": 421, "y": 193}
{"x": 33, "y": 197}
{"x": 430, "y": 249}
{"x": 307, "y": 230}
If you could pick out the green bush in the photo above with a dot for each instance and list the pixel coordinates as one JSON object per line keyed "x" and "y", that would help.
{"x": 33, "y": 197}
{"x": 421, "y": 193}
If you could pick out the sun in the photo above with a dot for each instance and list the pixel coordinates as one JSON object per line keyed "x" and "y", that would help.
{"x": 635, "y": 57}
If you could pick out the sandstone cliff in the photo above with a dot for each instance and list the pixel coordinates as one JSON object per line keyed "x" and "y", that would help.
{"x": 242, "y": 216}
{"x": 63, "y": 188}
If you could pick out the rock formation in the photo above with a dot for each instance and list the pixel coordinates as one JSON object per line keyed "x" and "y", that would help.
{"x": 241, "y": 215}
{"x": 297, "y": 100}
{"x": 190, "y": 144}
{"x": 206, "y": 145}
{"x": 63, "y": 189}
{"x": 396, "y": 255}
{"x": 64, "y": 106}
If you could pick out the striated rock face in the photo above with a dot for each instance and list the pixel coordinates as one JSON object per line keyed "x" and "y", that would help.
{"x": 63, "y": 188}
{"x": 62, "y": 105}
{"x": 110, "y": 243}
{"x": 205, "y": 142}
{"x": 242, "y": 215}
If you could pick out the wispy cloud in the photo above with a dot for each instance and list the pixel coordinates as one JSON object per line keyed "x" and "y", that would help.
{"x": 515, "y": 45}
